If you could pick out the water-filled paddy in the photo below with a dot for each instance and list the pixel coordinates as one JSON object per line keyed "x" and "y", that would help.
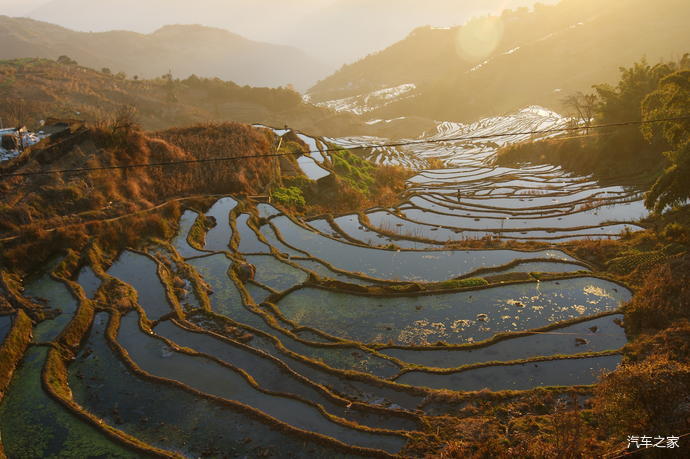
{"x": 453, "y": 317}
{"x": 170, "y": 417}
{"x": 273, "y": 376}
{"x": 35, "y": 425}
{"x": 563, "y": 372}
{"x": 506, "y": 336}
{"x": 274, "y": 273}
{"x": 311, "y": 169}
{"x": 542, "y": 267}
{"x": 180, "y": 240}
{"x": 140, "y": 272}
{"x": 5, "y": 326}
{"x": 218, "y": 237}
{"x": 595, "y": 335}
{"x": 88, "y": 281}
{"x": 59, "y": 297}
{"x": 210, "y": 377}
{"x": 226, "y": 298}
{"x": 327, "y": 273}
{"x": 249, "y": 241}
{"x": 403, "y": 265}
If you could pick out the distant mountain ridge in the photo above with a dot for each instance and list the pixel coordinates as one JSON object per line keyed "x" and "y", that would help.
{"x": 541, "y": 57}
{"x": 334, "y": 31}
{"x": 182, "y": 49}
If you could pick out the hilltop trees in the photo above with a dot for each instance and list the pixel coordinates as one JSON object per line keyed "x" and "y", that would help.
{"x": 66, "y": 60}
{"x": 652, "y": 151}
{"x": 671, "y": 100}
{"x": 623, "y": 103}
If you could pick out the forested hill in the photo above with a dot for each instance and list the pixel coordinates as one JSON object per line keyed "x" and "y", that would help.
{"x": 35, "y": 89}
{"x": 184, "y": 50}
{"x": 538, "y": 57}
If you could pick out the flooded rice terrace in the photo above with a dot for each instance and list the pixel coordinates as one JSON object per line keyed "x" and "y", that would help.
{"x": 326, "y": 337}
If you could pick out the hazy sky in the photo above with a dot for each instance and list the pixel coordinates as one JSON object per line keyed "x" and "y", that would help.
{"x": 335, "y": 31}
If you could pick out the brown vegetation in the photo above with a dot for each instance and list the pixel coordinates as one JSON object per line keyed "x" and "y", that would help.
{"x": 35, "y": 89}
{"x": 34, "y": 205}
{"x": 663, "y": 299}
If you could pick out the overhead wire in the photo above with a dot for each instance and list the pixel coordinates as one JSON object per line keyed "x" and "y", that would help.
{"x": 330, "y": 150}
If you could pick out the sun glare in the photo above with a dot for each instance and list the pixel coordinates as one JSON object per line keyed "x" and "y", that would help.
{"x": 479, "y": 38}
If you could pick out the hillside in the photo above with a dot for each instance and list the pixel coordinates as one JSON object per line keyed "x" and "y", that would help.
{"x": 536, "y": 57}
{"x": 34, "y": 89}
{"x": 182, "y": 49}
{"x": 310, "y": 27}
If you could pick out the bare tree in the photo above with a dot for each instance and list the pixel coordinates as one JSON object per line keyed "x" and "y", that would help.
{"x": 583, "y": 106}
{"x": 125, "y": 118}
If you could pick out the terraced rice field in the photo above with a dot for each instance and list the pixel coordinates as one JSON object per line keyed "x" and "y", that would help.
{"x": 335, "y": 338}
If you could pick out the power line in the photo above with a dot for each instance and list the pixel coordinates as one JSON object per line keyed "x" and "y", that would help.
{"x": 360, "y": 147}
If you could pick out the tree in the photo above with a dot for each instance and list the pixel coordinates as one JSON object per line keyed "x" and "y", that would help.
{"x": 671, "y": 100}
{"x": 106, "y": 71}
{"x": 622, "y": 103}
{"x": 66, "y": 60}
{"x": 583, "y": 106}
{"x": 125, "y": 119}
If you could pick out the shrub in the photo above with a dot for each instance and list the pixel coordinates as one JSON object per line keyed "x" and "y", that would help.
{"x": 675, "y": 232}
{"x": 290, "y": 197}
{"x": 663, "y": 299}
{"x": 649, "y": 396}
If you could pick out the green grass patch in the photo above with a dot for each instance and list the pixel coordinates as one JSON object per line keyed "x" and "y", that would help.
{"x": 289, "y": 196}
{"x": 357, "y": 172}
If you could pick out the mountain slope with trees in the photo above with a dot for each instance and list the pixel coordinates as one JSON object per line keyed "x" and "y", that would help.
{"x": 182, "y": 49}
{"x": 538, "y": 57}
{"x": 35, "y": 89}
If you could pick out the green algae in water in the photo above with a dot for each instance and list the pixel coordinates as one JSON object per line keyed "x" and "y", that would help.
{"x": 276, "y": 274}
{"x": 226, "y": 298}
{"x": 452, "y": 317}
{"x": 59, "y": 297}
{"x": 35, "y": 425}
{"x": 172, "y": 418}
